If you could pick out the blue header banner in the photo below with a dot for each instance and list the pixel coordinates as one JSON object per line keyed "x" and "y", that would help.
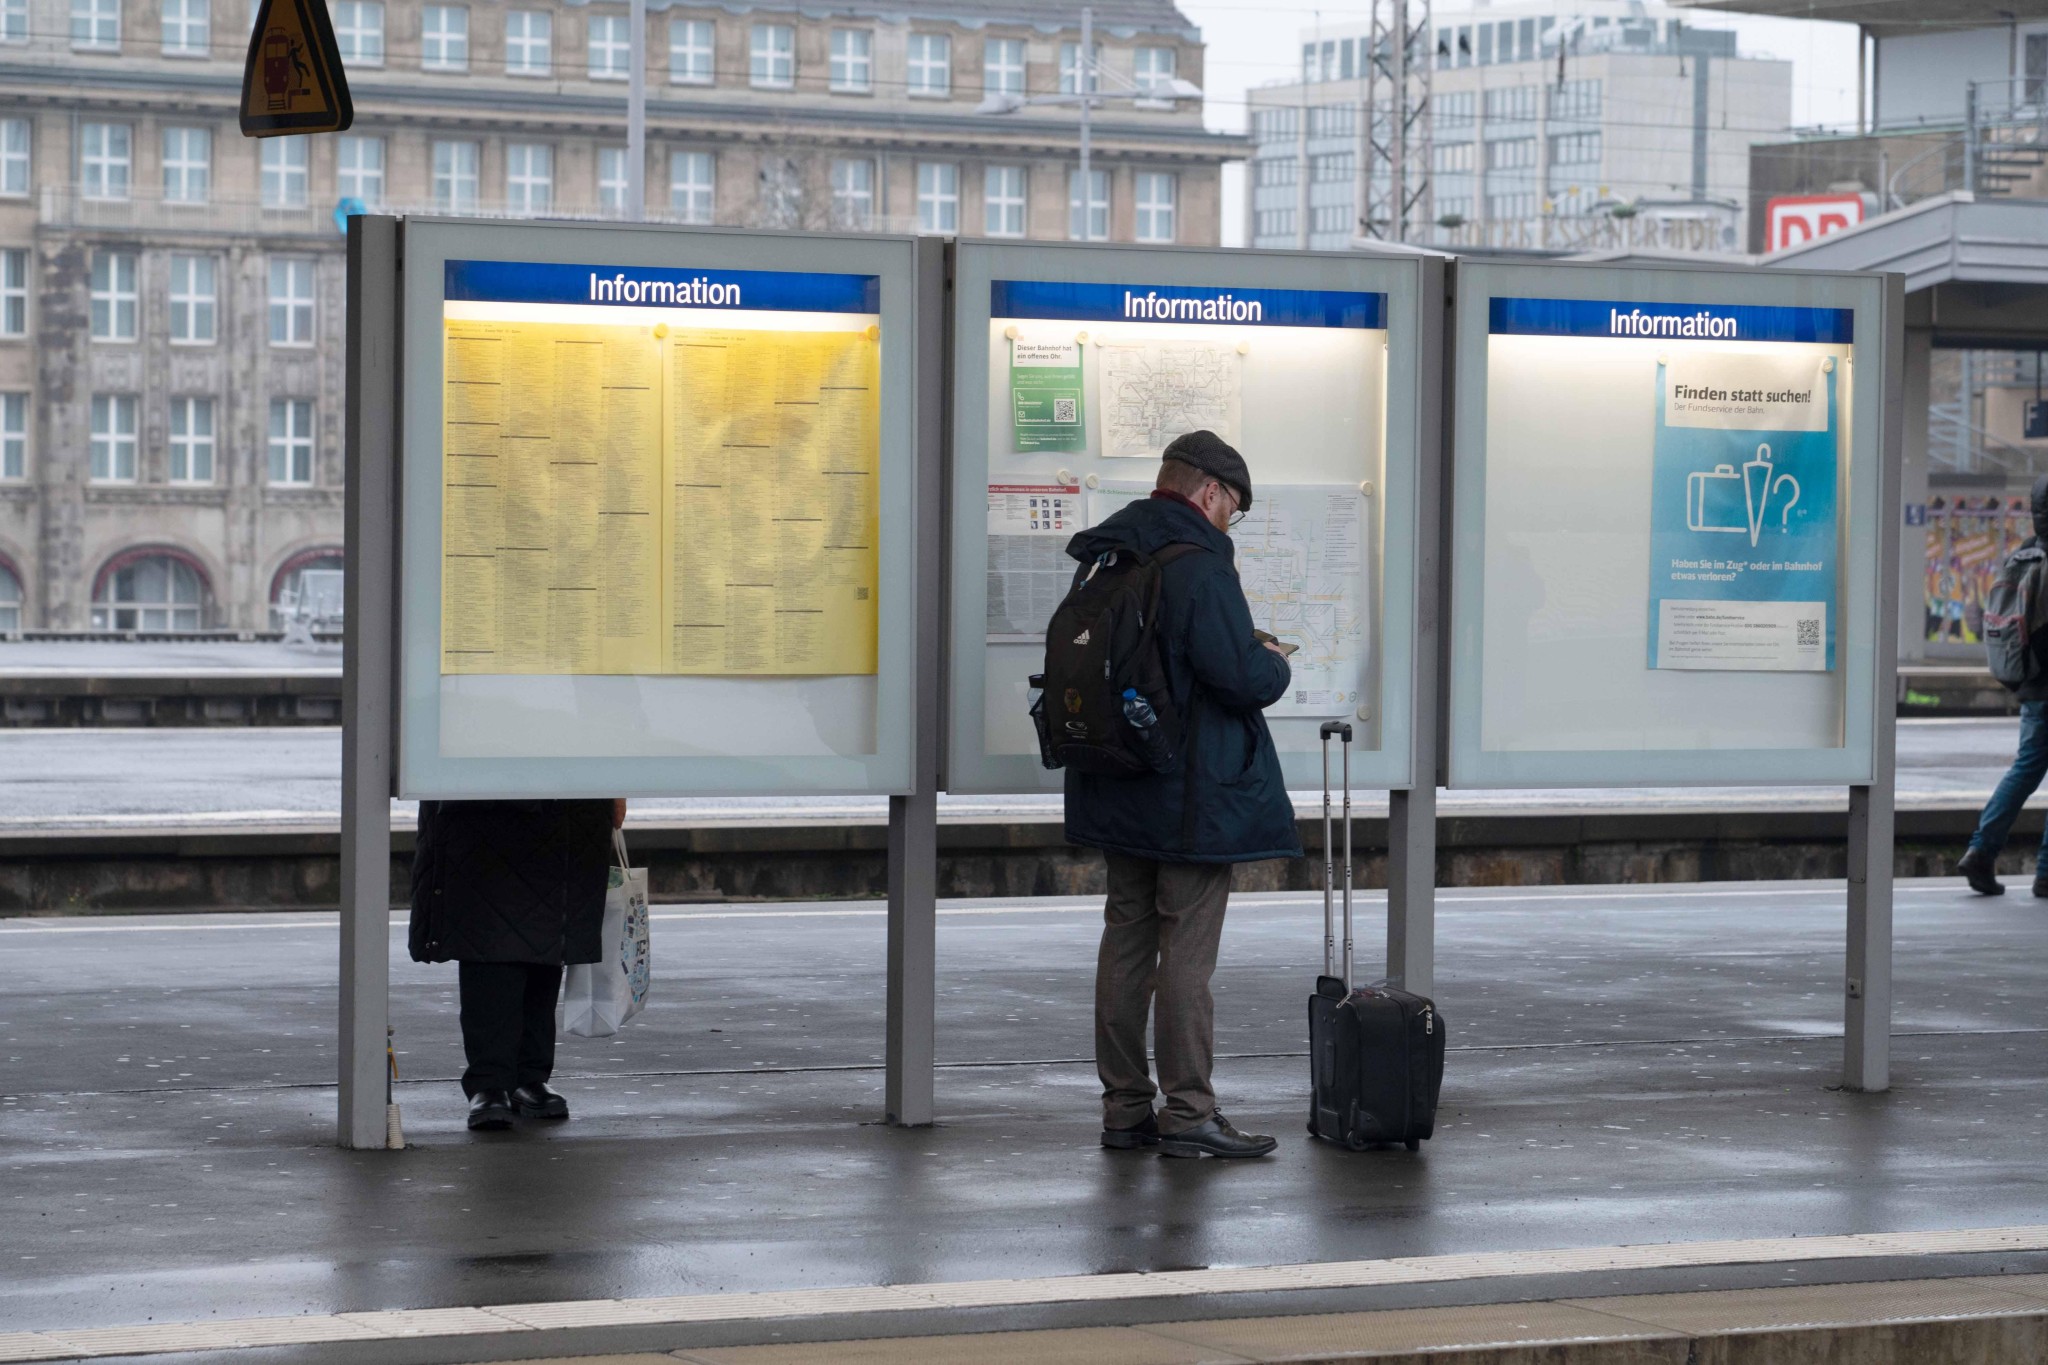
{"x": 1070, "y": 301}
{"x": 1677, "y": 321}
{"x": 651, "y": 287}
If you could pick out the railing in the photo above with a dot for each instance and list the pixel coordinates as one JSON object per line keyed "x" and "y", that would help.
{"x": 1955, "y": 443}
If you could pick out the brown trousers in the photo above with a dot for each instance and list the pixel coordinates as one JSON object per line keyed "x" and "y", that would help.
{"x": 1159, "y": 935}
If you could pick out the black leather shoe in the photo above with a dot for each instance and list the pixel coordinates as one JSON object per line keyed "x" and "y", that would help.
{"x": 489, "y": 1111}
{"x": 537, "y": 1101}
{"x": 1215, "y": 1138}
{"x": 1980, "y": 870}
{"x": 1143, "y": 1133}
{"x": 2041, "y": 887}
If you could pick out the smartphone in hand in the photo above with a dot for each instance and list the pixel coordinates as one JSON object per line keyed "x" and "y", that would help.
{"x": 1284, "y": 646}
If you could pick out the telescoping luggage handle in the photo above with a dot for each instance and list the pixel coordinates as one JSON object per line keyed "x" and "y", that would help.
{"x": 1342, "y": 731}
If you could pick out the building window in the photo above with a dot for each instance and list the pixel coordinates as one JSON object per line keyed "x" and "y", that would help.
{"x": 1158, "y": 192}
{"x": 1328, "y": 218}
{"x": 291, "y": 301}
{"x": 853, "y": 60}
{"x": 359, "y": 169}
{"x": 690, "y": 51}
{"x": 1511, "y": 154}
{"x": 113, "y": 438}
{"x": 529, "y": 42}
{"x": 1089, "y": 223}
{"x": 95, "y": 25}
{"x": 455, "y": 176}
{"x": 186, "y": 28}
{"x": 1511, "y": 104}
{"x": 1575, "y": 100}
{"x": 291, "y": 441}
{"x": 611, "y": 51}
{"x": 1454, "y": 110}
{"x": 772, "y": 63}
{"x": 1274, "y": 125}
{"x": 938, "y": 196}
{"x": 284, "y": 172}
{"x": 13, "y": 21}
{"x": 1002, "y": 197}
{"x": 1002, "y": 66}
{"x": 308, "y": 585}
{"x": 690, "y": 186}
{"x": 1273, "y": 223}
{"x": 195, "y": 299}
{"x": 191, "y": 440}
{"x": 156, "y": 593}
{"x": 15, "y": 134}
{"x": 188, "y": 164}
{"x": 105, "y": 153}
{"x": 359, "y": 31}
{"x": 1510, "y": 206}
{"x": 1451, "y": 158}
{"x": 13, "y": 454}
{"x": 10, "y": 602}
{"x": 931, "y": 64}
{"x": 1575, "y": 149}
{"x": 1154, "y": 70}
{"x": 611, "y": 179}
{"x": 529, "y": 177}
{"x": 1070, "y": 68}
{"x": 1271, "y": 171}
{"x": 114, "y": 299}
{"x": 14, "y": 292}
{"x": 853, "y": 193}
{"x": 1333, "y": 120}
{"x": 444, "y": 38}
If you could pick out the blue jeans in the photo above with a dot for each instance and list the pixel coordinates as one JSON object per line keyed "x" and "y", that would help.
{"x": 2019, "y": 783}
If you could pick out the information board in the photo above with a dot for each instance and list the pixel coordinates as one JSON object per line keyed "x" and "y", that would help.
{"x": 1664, "y": 567}
{"x": 646, "y": 483}
{"x": 1076, "y": 366}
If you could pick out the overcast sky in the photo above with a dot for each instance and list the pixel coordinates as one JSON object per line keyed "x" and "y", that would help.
{"x": 1256, "y": 42}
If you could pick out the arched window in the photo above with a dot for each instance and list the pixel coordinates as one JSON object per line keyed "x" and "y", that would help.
{"x": 318, "y": 596}
{"x": 10, "y": 600}
{"x": 151, "y": 590}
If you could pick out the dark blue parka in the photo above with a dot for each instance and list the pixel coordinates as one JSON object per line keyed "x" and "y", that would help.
{"x": 1225, "y": 802}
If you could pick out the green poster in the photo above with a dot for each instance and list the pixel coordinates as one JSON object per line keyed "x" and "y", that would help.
{"x": 1045, "y": 395}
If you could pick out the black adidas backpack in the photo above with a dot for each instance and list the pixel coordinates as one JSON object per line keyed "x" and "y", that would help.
{"x": 1103, "y": 640}
{"x": 2012, "y": 613}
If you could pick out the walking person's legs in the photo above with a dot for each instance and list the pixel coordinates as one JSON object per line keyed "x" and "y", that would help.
{"x": 1125, "y": 966}
{"x": 1980, "y": 863}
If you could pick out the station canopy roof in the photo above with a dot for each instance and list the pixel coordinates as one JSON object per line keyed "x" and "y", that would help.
{"x": 1888, "y": 18}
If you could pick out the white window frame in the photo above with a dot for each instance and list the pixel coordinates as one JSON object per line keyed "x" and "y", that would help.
{"x": 771, "y": 57}
{"x": 1158, "y": 218}
{"x": 693, "y": 197}
{"x": 529, "y": 177}
{"x": 287, "y": 174}
{"x": 1070, "y": 69}
{"x": 453, "y": 183}
{"x": 610, "y": 46}
{"x": 359, "y": 31}
{"x": 190, "y": 32}
{"x": 291, "y": 299}
{"x": 95, "y": 25}
{"x": 106, "y": 160}
{"x": 13, "y": 21}
{"x": 692, "y": 52}
{"x": 13, "y": 439}
{"x": 114, "y": 443}
{"x": 116, "y": 295}
{"x": 192, "y": 450}
{"x": 1000, "y": 74}
{"x": 1005, "y": 188}
{"x": 529, "y": 42}
{"x": 290, "y": 444}
{"x": 353, "y": 179}
{"x": 14, "y": 292}
{"x": 444, "y": 38}
{"x": 853, "y": 193}
{"x": 1079, "y": 230}
{"x": 853, "y": 61}
{"x": 153, "y": 615}
{"x": 188, "y": 178}
{"x": 612, "y": 179}
{"x": 929, "y": 66}
{"x": 195, "y": 298}
{"x": 1154, "y": 69}
{"x": 17, "y": 150}
{"x": 938, "y": 197}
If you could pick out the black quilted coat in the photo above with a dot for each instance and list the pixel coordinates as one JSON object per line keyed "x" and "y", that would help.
{"x": 510, "y": 881}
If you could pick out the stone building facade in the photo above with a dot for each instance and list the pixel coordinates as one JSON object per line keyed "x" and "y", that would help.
{"x": 171, "y": 294}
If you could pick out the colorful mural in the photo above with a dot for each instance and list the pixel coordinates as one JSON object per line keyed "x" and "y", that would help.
{"x": 1967, "y": 539}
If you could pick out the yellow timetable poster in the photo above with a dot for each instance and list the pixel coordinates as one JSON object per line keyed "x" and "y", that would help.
{"x": 647, "y": 499}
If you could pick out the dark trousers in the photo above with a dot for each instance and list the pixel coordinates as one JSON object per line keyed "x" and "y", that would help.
{"x": 2029, "y": 766}
{"x": 508, "y": 1024}
{"x": 1160, "y": 930}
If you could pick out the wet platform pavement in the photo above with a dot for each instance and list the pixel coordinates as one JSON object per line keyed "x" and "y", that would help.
{"x": 1627, "y": 1066}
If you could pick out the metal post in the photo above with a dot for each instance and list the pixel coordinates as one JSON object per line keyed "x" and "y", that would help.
{"x": 914, "y": 818}
{"x": 1867, "y": 1008}
{"x": 636, "y": 115}
{"x": 1084, "y": 83}
{"x": 368, "y": 588}
{"x": 1970, "y": 137}
{"x": 1301, "y": 188}
{"x": 1397, "y": 137}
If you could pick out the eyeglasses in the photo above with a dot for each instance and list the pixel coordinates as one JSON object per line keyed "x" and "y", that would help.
{"x": 1235, "y": 498}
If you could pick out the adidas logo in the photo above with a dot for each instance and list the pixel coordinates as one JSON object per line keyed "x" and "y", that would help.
{"x": 1082, "y": 638}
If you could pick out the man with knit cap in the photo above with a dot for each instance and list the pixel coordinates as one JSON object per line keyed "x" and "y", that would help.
{"x": 1170, "y": 839}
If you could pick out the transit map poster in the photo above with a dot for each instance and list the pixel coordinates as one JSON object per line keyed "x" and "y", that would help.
{"x": 667, "y": 472}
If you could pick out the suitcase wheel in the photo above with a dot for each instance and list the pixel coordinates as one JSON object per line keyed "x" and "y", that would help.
{"x": 1355, "y": 1140}
{"x": 1414, "y": 1144}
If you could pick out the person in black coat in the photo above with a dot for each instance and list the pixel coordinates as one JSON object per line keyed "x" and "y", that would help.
{"x": 512, "y": 891}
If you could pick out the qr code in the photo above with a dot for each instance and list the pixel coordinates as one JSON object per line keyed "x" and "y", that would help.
{"x": 860, "y": 594}
{"x": 1809, "y": 633}
{"x": 1063, "y": 410}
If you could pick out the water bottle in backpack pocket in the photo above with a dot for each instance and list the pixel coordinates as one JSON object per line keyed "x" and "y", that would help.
{"x": 2012, "y": 612}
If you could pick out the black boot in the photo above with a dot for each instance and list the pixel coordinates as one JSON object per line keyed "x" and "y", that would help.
{"x": 1980, "y": 870}
{"x": 490, "y": 1110}
{"x": 537, "y": 1101}
{"x": 1215, "y": 1138}
{"x": 1143, "y": 1133}
{"x": 2041, "y": 886}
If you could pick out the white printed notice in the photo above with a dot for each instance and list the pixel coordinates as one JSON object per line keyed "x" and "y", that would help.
{"x": 1153, "y": 391}
{"x": 1301, "y": 559}
{"x": 1029, "y": 525}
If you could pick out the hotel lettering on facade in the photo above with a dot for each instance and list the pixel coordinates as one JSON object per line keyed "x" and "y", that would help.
{"x": 171, "y": 294}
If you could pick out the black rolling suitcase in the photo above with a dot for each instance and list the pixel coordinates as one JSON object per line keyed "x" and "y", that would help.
{"x": 1376, "y": 1054}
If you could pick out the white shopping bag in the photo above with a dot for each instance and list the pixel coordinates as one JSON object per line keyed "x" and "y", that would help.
{"x": 599, "y": 997}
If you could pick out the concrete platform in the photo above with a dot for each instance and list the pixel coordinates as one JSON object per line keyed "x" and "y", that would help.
{"x": 1629, "y": 1066}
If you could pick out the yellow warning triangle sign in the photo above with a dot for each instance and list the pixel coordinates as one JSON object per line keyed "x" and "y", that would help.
{"x": 293, "y": 82}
